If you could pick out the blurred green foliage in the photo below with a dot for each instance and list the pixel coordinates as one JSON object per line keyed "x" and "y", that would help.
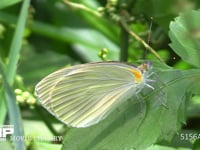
{"x": 57, "y": 35}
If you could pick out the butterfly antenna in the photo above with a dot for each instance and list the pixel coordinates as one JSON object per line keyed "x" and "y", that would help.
{"x": 148, "y": 39}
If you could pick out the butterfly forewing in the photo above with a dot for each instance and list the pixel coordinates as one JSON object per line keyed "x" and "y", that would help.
{"x": 83, "y": 95}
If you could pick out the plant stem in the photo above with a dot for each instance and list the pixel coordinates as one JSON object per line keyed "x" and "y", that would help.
{"x": 82, "y": 7}
{"x": 124, "y": 39}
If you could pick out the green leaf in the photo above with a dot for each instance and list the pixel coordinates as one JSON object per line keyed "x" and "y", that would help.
{"x": 52, "y": 62}
{"x": 16, "y": 44}
{"x": 158, "y": 147}
{"x": 164, "y": 11}
{"x": 6, "y": 3}
{"x": 14, "y": 51}
{"x": 185, "y": 35}
{"x": 8, "y": 77}
{"x": 87, "y": 42}
{"x": 138, "y": 124}
{"x": 13, "y": 111}
{"x": 6, "y": 145}
{"x": 196, "y": 145}
{"x": 41, "y": 146}
{"x": 160, "y": 10}
{"x": 3, "y": 107}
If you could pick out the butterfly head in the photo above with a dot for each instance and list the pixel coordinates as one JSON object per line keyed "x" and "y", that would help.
{"x": 142, "y": 75}
{"x": 145, "y": 67}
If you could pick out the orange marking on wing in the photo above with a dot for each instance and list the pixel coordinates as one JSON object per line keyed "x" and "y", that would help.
{"x": 138, "y": 75}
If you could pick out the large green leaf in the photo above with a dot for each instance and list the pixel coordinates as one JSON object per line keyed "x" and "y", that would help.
{"x": 138, "y": 124}
{"x": 185, "y": 36}
{"x": 158, "y": 147}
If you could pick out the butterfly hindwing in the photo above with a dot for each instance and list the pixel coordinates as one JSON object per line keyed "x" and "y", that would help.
{"x": 83, "y": 95}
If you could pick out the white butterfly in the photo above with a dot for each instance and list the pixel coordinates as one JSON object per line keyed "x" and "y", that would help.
{"x": 83, "y": 95}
